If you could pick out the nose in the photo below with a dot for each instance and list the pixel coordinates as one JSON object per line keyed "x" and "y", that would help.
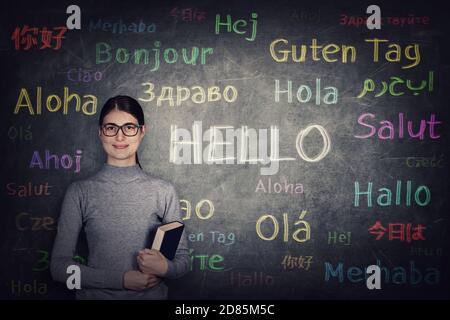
{"x": 120, "y": 136}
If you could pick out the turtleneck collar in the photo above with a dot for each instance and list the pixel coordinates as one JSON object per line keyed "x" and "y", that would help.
{"x": 120, "y": 174}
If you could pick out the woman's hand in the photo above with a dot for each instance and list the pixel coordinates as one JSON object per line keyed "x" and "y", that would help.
{"x": 152, "y": 262}
{"x": 138, "y": 281}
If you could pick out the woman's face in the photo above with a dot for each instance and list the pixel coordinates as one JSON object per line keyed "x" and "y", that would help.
{"x": 121, "y": 149}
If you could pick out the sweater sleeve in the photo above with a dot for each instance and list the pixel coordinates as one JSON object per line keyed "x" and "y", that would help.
{"x": 179, "y": 266}
{"x": 70, "y": 223}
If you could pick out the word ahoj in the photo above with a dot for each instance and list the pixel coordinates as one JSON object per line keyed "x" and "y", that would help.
{"x": 25, "y": 38}
{"x": 387, "y": 129}
{"x": 278, "y": 187}
{"x": 120, "y": 27}
{"x": 196, "y": 94}
{"x": 53, "y": 102}
{"x": 104, "y": 53}
{"x": 27, "y": 190}
{"x": 422, "y": 195}
{"x": 396, "y": 275}
{"x": 249, "y": 149}
{"x": 238, "y": 25}
{"x": 66, "y": 161}
{"x": 84, "y": 75}
{"x": 280, "y": 51}
{"x": 304, "y": 93}
{"x": 398, "y": 231}
{"x": 369, "y": 86}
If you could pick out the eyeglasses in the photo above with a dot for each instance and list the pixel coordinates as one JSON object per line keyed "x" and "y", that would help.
{"x": 128, "y": 129}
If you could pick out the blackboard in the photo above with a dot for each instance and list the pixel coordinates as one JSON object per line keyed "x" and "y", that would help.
{"x": 346, "y": 109}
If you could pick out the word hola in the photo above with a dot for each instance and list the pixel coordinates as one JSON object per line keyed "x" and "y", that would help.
{"x": 300, "y": 235}
{"x": 304, "y": 93}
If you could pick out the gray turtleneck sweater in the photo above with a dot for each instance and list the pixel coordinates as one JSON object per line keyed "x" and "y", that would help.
{"x": 118, "y": 207}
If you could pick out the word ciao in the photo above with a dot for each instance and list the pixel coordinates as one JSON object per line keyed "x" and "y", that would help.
{"x": 280, "y": 51}
{"x": 104, "y": 53}
{"x": 66, "y": 161}
{"x": 53, "y": 102}
{"x": 120, "y": 27}
{"x": 196, "y": 94}
{"x": 84, "y": 75}
{"x": 396, "y": 275}
{"x": 252, "y": 146}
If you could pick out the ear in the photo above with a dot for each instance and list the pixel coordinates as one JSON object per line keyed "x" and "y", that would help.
{"x": 99, "y": 132}
{"x": 143, "y": 128}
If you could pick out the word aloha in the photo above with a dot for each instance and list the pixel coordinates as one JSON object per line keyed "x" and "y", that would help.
{"x": 398, "y": 231}
{"x": 301, "y": 262}
{"x": 369, "y": 86}
{"x": 252, "y": 146}
{"x": 25, "y": 38}
{"x": 280, "y": 51}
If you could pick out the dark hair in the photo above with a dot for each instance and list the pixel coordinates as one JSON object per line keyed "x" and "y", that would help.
{"x": 126, "y": 104}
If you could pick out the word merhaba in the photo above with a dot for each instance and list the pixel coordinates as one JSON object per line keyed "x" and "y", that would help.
{"x": 280, "y": 51}
{"x": 252, "y": 146}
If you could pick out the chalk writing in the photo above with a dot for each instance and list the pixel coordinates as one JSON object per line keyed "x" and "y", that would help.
{"x": 238, "y": 25}
{"x": 188, "y": 14}
{"x": 278, "y": 187}
{"x": 300, "y": 235}
{"x": 28, "y": 190}
{"x": 25, "y": 37}
{"x": 204, "y": 209}
{"x": 120, "y": 27}
{"x": 301, "y": 262}
{"x": 304, "y": 93}
{"x": 336, "y": 237}
{"x": 398, "y": 231}
{"x": 66, "y": 161}
{"x": 253, "y": 279}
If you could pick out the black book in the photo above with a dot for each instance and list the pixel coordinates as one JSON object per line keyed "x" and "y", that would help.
{"x": 167, "y": 238}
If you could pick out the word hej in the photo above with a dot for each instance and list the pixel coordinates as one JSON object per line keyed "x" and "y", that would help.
{"x": 422, "y": 195}
{"x": 66, "y": 161}
{"x": 249, "y": 149}
{"x": 369, "y": 86}
{"x": 281, "y": 52}
{"x": 196, "y": 94}
{"x": 53, "y": 102}
{"x": 120, "y": 27}
{"x": 27, "y": 37}
{"x": 396, "y": 275}
{"x": 388, "y": 131}
{"x": 104, "y": 53}
{"x": 238, "y": 25}
{"x": 398, "y": 231}
{"x": 411, "y": 19}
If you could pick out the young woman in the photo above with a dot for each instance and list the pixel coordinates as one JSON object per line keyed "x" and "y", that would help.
{"x": 118, "y": 207}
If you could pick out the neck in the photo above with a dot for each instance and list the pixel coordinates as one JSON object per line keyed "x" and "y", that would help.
{"x": 121, "y": 174}
{"x": 122, "y": 163}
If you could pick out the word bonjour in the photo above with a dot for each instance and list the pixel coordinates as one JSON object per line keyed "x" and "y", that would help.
{"x": 249, "y": 149}
{"x": 66, "y": 161}
{"x": 53, "y": 102}
{"x": 280, "y": 51}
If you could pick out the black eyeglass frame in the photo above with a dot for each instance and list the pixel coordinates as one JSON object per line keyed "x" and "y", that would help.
{"x": 103, "y": 127}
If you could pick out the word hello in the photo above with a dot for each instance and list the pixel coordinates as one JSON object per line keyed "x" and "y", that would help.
{"x": 19, "y": 287}
{"x": 237, "y": 25}
{"x": 104, "y": 54}
{"x": 197, "y": 94}
{"x": 254, "y": 279}
{"x": 387, "y": 129}
{"x": 25, "y": 221}
{"x": 120, "y": 27}
{"x": 304, "y": 93}
{"x": 280, "y": 51}
{"x": 215, "y": 237}
{"x": 20, "y": 133}
{"x": 397, "y": 275}
{"x": 422, "y": 195}
{"x": 206, "y": 261}
{"x": 84, "y": 75}
{"x": 278, "y": 187}
{"x": 27, "y": 190}
{"x": 249, "y": 149}
{"x": 66, "y": 161}
{"x": 53, "y": 102}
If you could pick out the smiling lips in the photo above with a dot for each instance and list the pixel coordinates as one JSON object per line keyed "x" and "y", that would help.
{"x": 120, "y": 146}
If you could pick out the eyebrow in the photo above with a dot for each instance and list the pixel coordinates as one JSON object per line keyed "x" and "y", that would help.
{"x": 105, "y": 124}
